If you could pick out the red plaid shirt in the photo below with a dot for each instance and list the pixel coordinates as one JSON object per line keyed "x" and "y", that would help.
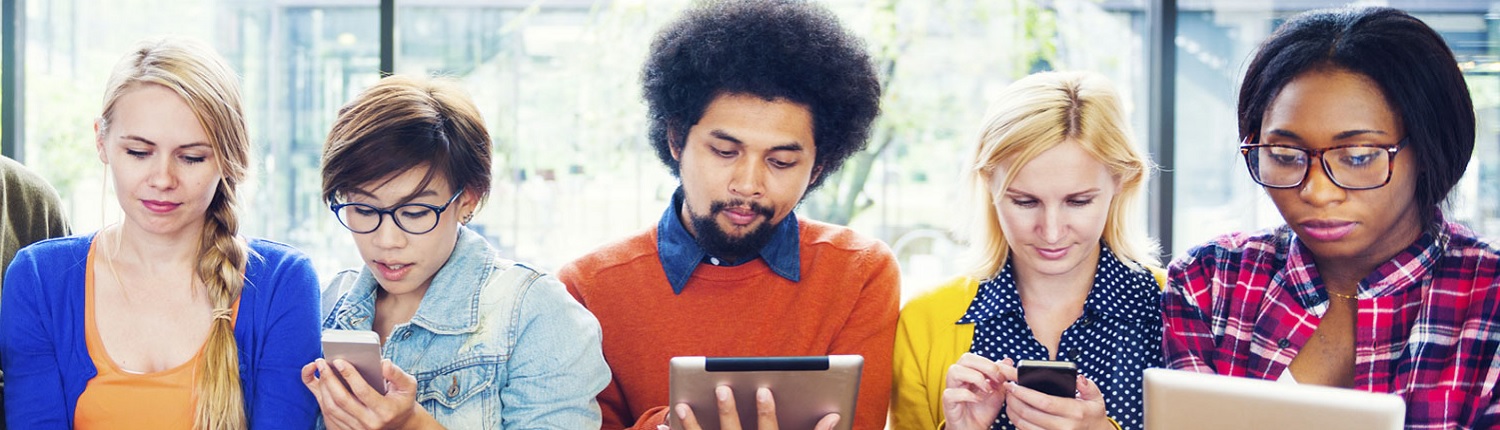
{"x": 1428, "y": 322}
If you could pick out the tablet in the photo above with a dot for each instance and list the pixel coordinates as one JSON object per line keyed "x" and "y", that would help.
{"x": 1178, "y": 399}
{"x": 805, "y": 388}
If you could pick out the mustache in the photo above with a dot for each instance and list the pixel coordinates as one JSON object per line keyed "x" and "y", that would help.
{"x": 721, "y": 205}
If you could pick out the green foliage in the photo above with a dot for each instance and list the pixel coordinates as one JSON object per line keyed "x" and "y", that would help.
{"x": 59, "y": 126}
{"x": 936, "y": 59}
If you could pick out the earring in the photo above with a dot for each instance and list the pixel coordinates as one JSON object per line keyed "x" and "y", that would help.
{"x": 468, "y": 217}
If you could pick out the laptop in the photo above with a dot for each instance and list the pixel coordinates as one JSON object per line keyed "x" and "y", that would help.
{"x": 1177, "y": 399}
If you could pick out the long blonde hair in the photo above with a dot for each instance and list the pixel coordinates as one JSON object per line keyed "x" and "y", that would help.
{"x": 1038, "y": 113}
{"x": 212, "y": 90}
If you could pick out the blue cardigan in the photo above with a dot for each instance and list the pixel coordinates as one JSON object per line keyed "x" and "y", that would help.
{"x": 47, "y": 364}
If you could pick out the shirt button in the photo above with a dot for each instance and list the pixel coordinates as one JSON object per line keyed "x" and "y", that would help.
{"x": 405, "y": 335}
{"x": 1284, "y": 343}
{"x": 713, "y": 261}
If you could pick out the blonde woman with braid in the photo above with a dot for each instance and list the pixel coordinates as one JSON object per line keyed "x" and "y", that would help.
{"x": 168, "y": 319}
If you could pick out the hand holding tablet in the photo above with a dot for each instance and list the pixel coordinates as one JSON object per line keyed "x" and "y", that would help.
{"x": 816, "y": 392}
{"x": 765, "y": 406}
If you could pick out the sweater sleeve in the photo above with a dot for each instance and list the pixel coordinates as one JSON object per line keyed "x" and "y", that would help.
{"x": 34, "y": 394}
{"x": 910, "y": 407}
{"x": 871, "y": 332}
{"x": 291, "y": 339}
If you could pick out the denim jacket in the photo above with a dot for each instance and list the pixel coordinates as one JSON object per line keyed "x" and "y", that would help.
{"x": 494, "y": 344}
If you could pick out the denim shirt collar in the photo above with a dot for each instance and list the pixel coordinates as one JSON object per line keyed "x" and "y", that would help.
{"x": 681, "y": 254}
{"x": 448, "y": 307}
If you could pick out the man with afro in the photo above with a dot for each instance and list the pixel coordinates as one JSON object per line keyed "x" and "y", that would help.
{"x": 752, "y": 104}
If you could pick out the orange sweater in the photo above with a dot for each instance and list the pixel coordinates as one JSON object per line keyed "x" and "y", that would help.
{"x": 846, "y": 303}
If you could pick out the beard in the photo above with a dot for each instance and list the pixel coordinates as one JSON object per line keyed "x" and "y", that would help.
{"x": 719, "y": 243}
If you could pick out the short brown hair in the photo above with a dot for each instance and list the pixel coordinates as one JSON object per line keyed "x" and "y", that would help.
{"x": 403, "y": 122}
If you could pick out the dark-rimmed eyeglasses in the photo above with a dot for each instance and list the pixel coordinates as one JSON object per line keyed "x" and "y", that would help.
{"x": 414, "y": 218}
{"x": 1351, "y": 167}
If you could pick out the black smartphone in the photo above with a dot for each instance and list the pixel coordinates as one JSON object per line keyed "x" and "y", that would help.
{"x": 1057, "y": 378}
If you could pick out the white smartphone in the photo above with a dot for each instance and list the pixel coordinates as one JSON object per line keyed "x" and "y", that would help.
{"x": 361, "y": 348}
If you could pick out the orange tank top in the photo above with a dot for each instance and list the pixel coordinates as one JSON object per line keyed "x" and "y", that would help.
{"x": 120, "y": 399}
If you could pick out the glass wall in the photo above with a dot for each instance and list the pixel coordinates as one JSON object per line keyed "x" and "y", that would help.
{"x": 1214, "y": 44}
{"x": 299, "y": 61}
{"x": 558, "y": 83}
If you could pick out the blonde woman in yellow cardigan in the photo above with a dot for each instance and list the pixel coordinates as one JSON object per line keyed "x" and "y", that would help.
{"x": 1060, "y": 272}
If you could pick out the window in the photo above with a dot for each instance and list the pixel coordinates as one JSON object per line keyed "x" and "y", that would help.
{"x": 1215, "y": 42}
{"x": 299, "y": 61}
{"x": 559, "y": 86}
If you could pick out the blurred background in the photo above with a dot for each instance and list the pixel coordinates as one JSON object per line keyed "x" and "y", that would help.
{"x": 557, "y": 82}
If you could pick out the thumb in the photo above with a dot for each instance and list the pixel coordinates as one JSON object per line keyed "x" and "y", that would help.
{"x": 828, "y": 422}
{"x": 1088, "y": 391}
{"x": 397, "y": 380}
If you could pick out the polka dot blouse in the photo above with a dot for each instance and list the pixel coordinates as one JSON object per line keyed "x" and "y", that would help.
{"x": 1117, "y": 337}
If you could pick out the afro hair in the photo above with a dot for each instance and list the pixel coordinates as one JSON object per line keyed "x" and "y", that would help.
{"x": 774, "y": 49}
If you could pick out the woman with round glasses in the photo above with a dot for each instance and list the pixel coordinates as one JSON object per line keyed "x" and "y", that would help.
{"x": 1358, "y": 124}
{"x": 471, "y": 340}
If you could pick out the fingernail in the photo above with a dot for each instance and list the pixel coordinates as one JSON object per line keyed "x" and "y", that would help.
{"x": 341, "y": 365}
{"x": 763, "y": 395}
{"x": 722, "y": 393}
{"x": 682, "y": 411}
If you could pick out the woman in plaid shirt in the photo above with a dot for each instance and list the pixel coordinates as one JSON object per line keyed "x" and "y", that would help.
{"x": 1358, "y": 123}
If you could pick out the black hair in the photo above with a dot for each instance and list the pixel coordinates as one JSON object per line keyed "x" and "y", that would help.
{"x": 774, "y": 49}
{"x": 1413, "y": 66}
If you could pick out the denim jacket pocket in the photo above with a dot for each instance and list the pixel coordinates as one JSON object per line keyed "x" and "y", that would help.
{"x": 454, "y": 388}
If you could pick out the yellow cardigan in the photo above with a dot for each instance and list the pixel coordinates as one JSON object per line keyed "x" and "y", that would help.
{"x": 927, "y": 342}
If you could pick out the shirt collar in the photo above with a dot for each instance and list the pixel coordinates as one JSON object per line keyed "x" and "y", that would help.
{"x": 680, "y": 253}
{"x": 1129, "y": 299}
{"x": 1407, "y": 268}
{"x": 450, "y": 304}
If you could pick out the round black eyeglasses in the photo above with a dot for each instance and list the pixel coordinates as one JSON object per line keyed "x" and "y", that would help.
{"x": 414, "y": 218}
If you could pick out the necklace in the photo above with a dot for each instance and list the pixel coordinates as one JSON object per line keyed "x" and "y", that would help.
{"x": 1344, "y": 296}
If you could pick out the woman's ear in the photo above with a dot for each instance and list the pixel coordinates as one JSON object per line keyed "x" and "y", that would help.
{"x": 468, "y": 204}
{"x": 99, "y": 140}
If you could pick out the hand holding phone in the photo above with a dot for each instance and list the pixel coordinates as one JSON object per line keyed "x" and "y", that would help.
{"x": 1056, "y": 378}
{"x": 361, "y": 348}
